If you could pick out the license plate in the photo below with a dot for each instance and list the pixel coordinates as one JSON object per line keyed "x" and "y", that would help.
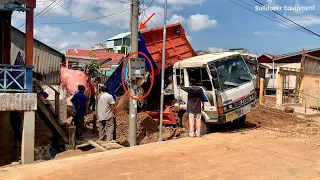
{"x": 246, "y": 110}
{"x": 230, "y": 116}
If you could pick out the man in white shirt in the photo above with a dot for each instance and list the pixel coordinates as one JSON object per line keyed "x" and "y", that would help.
{"x": 105, "y": 115}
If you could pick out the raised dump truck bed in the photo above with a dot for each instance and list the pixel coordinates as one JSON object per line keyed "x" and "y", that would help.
{"x": 177, "y": 44}
{"x": 177, "y": 48}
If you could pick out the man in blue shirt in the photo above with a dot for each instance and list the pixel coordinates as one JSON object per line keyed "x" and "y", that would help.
{"x": 79, "y": 111}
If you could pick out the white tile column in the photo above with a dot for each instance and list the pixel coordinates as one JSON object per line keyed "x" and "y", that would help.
{"x": 28, "y": 132}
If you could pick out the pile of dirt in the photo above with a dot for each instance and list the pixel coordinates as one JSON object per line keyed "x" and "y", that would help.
{"x": 122, "y": 105}
{"x": 88, "y": 120}
{"x": 147, "y": 129}
{"x": 278, "y": 120}
{"x": 73, "y": 153}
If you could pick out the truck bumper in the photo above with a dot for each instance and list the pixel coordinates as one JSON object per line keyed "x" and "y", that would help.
{"x": 234, "y": 115}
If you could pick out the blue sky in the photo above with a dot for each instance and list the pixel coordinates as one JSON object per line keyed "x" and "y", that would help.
{"x": 209, "y": 24}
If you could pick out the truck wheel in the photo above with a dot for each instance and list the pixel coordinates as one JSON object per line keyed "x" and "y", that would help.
{"x": 204, "y": 127}
{"x": 242, "y": 119}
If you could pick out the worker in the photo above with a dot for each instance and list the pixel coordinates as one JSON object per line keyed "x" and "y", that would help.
{"x": 106, "y": 118}
{"x": 79, "y": 111}
{"x": 92, "y": 103}
{"x": 195, "y": 106}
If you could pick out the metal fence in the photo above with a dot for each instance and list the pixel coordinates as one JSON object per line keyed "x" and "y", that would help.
{"x": 15, "y": 78}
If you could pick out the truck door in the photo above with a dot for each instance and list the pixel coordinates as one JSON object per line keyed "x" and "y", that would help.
{"x": 201, "y": 75}
{"x": 180, "y": 80}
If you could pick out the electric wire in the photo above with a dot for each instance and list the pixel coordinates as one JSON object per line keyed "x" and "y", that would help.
{"x": 291, "y": 20}
{"x": 268, "y": 17}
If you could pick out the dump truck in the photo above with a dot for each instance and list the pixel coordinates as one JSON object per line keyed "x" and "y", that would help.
{"x": 227, "y": 84}
{"x": 225, "y": 78}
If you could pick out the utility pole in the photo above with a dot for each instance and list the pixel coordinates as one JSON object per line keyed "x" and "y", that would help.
{"x": 134, "y": 48}
{"x": 163, "y": 66}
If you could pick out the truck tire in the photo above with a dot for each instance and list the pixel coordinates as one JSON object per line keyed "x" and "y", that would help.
{"x": 204, "y": 127}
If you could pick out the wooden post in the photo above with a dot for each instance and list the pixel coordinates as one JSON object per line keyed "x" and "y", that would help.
{"x": 72, "y": 137}
{"x": 301, "y": 90}
{"x": 261, "y": 91}
{"x": 29, "y": 37}
{"x": 27, "y": 146}
{"x": 57, "y": 104}
{"x": 303, "y": 54}
{"x": 279, "y": 89}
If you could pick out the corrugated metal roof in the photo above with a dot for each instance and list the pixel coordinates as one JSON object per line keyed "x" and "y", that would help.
{"x": 278, "y": 57}
{"x": 45, "y": 58}
{"x": 119, "y": 36}
{"x": 177, "y": 45}
{"x": 282, "y": 56}
{"x": 100, "y": 56}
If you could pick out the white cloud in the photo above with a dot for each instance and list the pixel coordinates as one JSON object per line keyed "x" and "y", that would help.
{"x": 55, "y": 8}
{"x": 272, "y": 3}
{"x": 189, "y": 38}
{"x": 269, "y": 33}
{"x": 307, "y": 20}
{"x": 91, "y": 34}
{"x": 47, "y": 41}
{"x": 176, "y": 19}
{"x": 215, "y": 49}
{"x": 198, "y": 22}
{"x": 47, "y": 32}
{"x": 68, "y": 45}
{"x": 180, "y": 2}
{"x": 156, "y": 20}
{"x": 74, "y": 33}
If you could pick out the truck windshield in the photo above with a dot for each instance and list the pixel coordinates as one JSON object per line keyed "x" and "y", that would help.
{"x": 232, "y": 72}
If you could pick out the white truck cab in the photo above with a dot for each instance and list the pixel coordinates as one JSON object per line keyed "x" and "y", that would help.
{"x": 226, "y": 82}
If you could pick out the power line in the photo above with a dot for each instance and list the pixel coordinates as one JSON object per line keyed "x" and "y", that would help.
{"x": 150, "y": 20}
{"x": 291, "y": 21}
{"x": 123, "y": 2}
{"x": 275, "y": 17}
{"x": 299, "y": 14}
{"x": 55, "y": 1}
{"x": 91, "y": 19}
{"x": 149, "y": 5}
{"x": 39, "y": 13}
{"x": 267, "y": 17}
{"x": 72, "y": 12}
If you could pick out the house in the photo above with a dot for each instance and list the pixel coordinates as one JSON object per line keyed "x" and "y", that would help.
{"x": 76, "y": 58}
{"x": 290, "y": 60}
{"x": 46, "y": 60}
{"x": 119, "y": 43}
{"x": 16, "y": 83}
{"x": 98, "y": 47}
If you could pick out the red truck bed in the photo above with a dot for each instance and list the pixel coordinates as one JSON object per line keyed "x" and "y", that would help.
{"x": 177, "y": 45}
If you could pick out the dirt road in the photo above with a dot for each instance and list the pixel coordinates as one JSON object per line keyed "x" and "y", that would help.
{"x": 254, "y": 154}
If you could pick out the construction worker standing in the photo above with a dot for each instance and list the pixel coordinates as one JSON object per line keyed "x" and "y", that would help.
{"x": 79, "y": 110}
{"x": 195, "y": 106}
{"x": 106, "y": 115}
